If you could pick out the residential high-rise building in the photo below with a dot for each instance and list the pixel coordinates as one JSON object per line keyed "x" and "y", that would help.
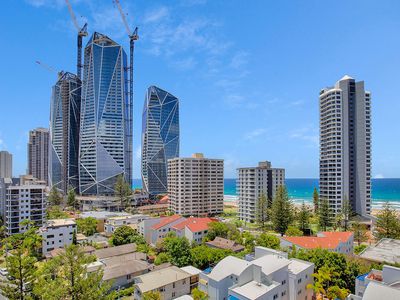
{"x": 196, "y": 185}
{"x": 25, "y": 201}
{"x": 160, "y": 138}
{"x": 345, "y": 145}
{"x": 64, "y": 133}
{"x": 106, "y": 118}
{"x": 252, "y": 183}
{"x": 5, "y": 164}
{"x": 38, "y": 154}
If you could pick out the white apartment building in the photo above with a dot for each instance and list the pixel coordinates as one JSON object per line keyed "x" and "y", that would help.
{"x": 196, "y": 185}
{"x": 5, "y": 164}
{"x": 378, "y": 284}
{"x": 25, "y": 202}
{"x": 113, "y": 223}
{"x": 57, "y": 234}
{"x": 252, "y": 183}
{"x": 270, "y": 275}
{"x": 345, "y": 145}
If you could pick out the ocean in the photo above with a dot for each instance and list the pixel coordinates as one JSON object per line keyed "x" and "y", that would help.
{"x": 300, "y": 190}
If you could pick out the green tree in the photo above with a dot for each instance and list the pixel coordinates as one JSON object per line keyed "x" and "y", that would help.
{"x": 360, "y": 232}
{"x": 247, "y": 239}
{"x": 71, "y": 199}
{"x": 126, "y": 235}
{"x": 162, "y": 258}
{"x": 224, "y": 230}
{"x": 151, "y": 295}
{"x": 324, "y": 214}
{"x": 66, "y": 277}
{"x": 359, "y": 248}
{"x": 268, "y": 240}
{"x": 346, "y": 213}
{"x": 304, "y": 217}
{"x": 123, "y": 191}
{"x": 55, "y": 212}
{"x": 282, "y": 211}
{"x": 387, "y": 223}
{"x": 203, "y": 256}
{"x": 315, "y": 200}
{"x": 178, "y": 249}
{"x": 21, "y": 267}
{"x": 199, "y": 295}
{"x": 293, "y": 231}
{"x": 335, "y": 292}
{"x": 87, "y": 226}
{"x": 262, "y": 210}
{"x": 55, "y": 197}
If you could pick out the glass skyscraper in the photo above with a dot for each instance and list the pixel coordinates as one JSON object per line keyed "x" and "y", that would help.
{"x": 160, "y": 138}
{"x": 106, "y": 115}
{"x": 64, "y": 132}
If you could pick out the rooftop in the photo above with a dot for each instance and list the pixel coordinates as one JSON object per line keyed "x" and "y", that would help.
{"x": 254, "y": 290}
{"x": 222, "y": 243}
{"x": 165, "y": 221}
{"x": 60, "y": 222}
{"x": 386, "y": 250}
{"x": 194, "y": 224}
{"x": 191, "y": 270}
{"x": 325, "y": 240}
{"x": 102, "y": 214}
{"x": 271, "y": 263}
{"x": 126, "y": 217}
{"x": 297, "y": 266}
{"x": 159, "y": 278}
{"x": 377, "y": 290}
{"x": 115, "y": 251}
{"x": 229, "y": 265}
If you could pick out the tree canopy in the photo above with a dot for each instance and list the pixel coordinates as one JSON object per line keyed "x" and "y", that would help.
{"x": 87, "y": 226}
{"x": 282, "y": 211}
{"x": 126, "y": 235}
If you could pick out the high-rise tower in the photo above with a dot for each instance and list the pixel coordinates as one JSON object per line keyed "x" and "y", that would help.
{"x": 106, "y": 130}
{"x": 64, "y": 132}
{"x": 5, "y": 164}
{"x": 38, "y": 153}
{"x": 160, "y": 138}
{"x": 345, "y": 145}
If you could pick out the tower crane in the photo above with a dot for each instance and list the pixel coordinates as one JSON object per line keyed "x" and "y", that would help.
{"x": 133, "y": 36}
{"x": 81, "y": 33}
{"x": 50, "y": 69}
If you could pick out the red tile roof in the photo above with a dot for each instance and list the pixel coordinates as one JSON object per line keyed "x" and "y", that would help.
{"x": 194, "y": 224}
{"x": 163, "y": 200}
{"x": 326, "y": 240}
{"x": 165, "y": 221}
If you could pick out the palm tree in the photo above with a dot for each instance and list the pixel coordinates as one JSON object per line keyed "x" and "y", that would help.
{"x": 335, "y": 292}
{"x": 322, "y": 278}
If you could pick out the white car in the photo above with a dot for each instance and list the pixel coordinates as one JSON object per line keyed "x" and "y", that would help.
{"x": 3, "y": 272}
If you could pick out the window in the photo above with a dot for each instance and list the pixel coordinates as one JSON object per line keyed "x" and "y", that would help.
{"x": 129, "y": 276}
{"x": 173, "y": 294}
{"x": 284, "y": 282}
{"x": 173, "y": 285}
{"x": 162, "y": 289}
{"x": 275, "y": 296}
{"x": 299, "y": 281}
{"x": 283, "y": 293}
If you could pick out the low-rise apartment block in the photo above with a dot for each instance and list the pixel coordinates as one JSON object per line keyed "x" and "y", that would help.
{"x": 196, "y": 186}
{"x": 57, "y": 234}
{"x": 378, "y": 284}
{"x": 170, "y": 282}
{"x": 254, "y": 182}
{"x": 270, "y": 275}
{"x": 113, "y": 223}
{"x": 194, "y": 229}
{"x": 340, "y": 242}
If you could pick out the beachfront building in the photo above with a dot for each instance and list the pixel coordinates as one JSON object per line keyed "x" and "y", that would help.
{"x": 345, "y": 145}
{"x": 252, "y": 183}
{"x": 340, "y": 242}
{"x": 38, "y": 154}
{"x": 25, "y": 202}
{"x": 57, "y": 234}
{"x": 269, "y": 275}
{"x": 105, "y": 139}
{"x": 378, "y": 284}
{"x": 196, "y": 185}
{"x": 65, "y": 111}
{"x": 5, "y": 164}
{"x": 160, "y": 138}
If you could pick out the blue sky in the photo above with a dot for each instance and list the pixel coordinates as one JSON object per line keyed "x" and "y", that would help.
{"x": 247, "y": 73}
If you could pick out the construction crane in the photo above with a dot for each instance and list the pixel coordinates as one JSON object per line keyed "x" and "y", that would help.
{"x": 133, "y": 36}
{"x": 81, "y": 33}
{"x": 50, "y": 69}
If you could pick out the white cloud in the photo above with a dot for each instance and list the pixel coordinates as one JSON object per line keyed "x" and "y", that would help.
{"x": 308, "y": 134}
{"x": 156, "y": 15}
{"x": 255, "y": 133}
{"x": 50, "y": 3}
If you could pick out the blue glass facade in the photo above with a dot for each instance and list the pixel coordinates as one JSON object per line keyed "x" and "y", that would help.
{"x": 160, "y": 138}
{"x": 106, "y": 133}
{"x": 64, "y": 132}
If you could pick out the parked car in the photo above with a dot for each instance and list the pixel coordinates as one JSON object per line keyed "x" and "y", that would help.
{"x": 3, "y": 272}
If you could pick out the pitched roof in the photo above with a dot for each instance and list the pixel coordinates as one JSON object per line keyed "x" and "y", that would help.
{"x": 325, "y": 240}
{"x": 228, "y": 266}
{"x": 115, "y": 251}
{"x": 194, "y": 224}
{"x": 165, "y": 221}
{"x": 222, "y": 243}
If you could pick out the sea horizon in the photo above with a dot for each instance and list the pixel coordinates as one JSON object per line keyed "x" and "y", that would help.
{"x": 301, "y": 189}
